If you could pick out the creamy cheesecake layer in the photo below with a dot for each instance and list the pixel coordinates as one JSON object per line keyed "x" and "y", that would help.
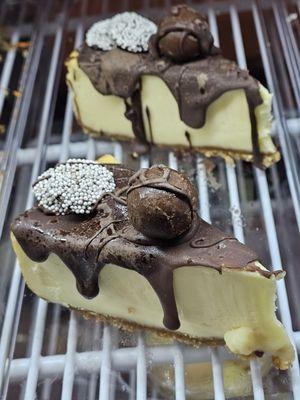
{"x": 227, "y": 126}
{"x": 95, "y": 112}
{"x": 237, "y": 306}
{"x": 227, "y": 120}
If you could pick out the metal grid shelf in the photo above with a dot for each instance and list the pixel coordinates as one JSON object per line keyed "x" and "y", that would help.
{"x": 91, "y": 365}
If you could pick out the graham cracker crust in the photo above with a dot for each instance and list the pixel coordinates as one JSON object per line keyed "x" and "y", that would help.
{"x": 129, "y": 326}
{"x": 228, "y": 155}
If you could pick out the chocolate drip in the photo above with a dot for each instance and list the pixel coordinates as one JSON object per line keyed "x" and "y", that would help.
{"x": 87, "y": 243}
{"x": 134, "y": 114}
{"x": 162, "y": 283}
{"x": 150, "y": 124}
{"x": 188, "y": 138}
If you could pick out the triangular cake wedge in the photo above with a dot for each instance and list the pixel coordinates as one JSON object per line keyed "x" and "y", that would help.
{"x": 141, "y": 257}
{"x": 175, "y": 89}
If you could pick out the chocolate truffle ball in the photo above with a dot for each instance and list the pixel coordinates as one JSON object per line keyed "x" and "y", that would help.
{"x": 182, "y": 36}
{"x": 161, "y": 203}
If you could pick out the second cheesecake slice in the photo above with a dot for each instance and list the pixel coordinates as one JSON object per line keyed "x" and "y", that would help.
{"x": 171, "y": 88}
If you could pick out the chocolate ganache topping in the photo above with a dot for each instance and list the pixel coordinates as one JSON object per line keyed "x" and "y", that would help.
{"x": 86, "y": 243}
{"x": 183, "y": 56}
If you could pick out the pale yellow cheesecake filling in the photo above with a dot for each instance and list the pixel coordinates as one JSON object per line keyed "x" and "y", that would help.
{"x": 95, "y": 112}
{"x": 237, "y": 306}
{"x": 227, "y": 123}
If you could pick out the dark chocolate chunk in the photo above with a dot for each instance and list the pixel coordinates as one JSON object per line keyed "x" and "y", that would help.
{"x": 182, "y": 36}
{"x": 161, "y": 202}
{"x": 158, "y": 213}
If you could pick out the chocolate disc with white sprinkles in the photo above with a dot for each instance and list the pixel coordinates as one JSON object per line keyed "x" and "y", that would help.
{"x": 73, "y": 187}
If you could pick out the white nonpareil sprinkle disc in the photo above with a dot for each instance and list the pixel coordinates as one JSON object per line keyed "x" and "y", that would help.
{"x": 127, "y": 30}
{"x": 73, "y": 187}
{"x": 132, "y": 32}
{"x": 99, "y": 35}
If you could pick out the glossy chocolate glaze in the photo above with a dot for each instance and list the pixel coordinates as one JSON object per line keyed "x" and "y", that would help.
{"x": 195, "y": 83}
{"x": 87, "y": 243}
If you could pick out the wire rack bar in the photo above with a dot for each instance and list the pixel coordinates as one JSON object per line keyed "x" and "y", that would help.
{"x": 286, "y": 20}
{"x": 55, "y": 322}
{"x": 205, "y": 214}
{"x": 237, "y": 223}
{"x": 7, "y": 68}
{"x": 286, "y": 147}
{"x": 269, "y": 220}
{"x": 39, "y": 325}
{"x": 64, "y": 153}
{"x": 179, "y": 373}
{"x": 94, "y": 376}
{"x": 123, "y": 359}
{"x": 297, "y": 339}
{"x": 203, "y": 192}
{"x": 277, "y": 264}
{"x": 6, "y": 336}
{"x": 105, "y": 370}
{"x": 17, "y": 124}
{"x": 38, "y": 336}
{"x": 217, "y": 374}
{"x": 13, "y": 306}
{"x": 11, "y": 54}
{"x": 132, "y": 384}
{"x": 257, "y": 385}
{"x": 149, "y": 8}
{"x": 141, "y": 369}
{"x": 178, "y": 357}
{"x": 78, "y": 149}
{"x": 69, "y": 369}
{"x": 133, "y": 359}
{"x": 287, "y": 48}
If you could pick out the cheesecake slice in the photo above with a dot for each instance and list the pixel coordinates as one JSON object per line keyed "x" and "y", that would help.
{"x": 173, "y": 88}
{"x": 130, "y": 248}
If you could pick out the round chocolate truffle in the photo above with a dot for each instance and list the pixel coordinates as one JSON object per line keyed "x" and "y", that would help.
{"x": 182, "y": 36}
{"x": 161, "y": 203}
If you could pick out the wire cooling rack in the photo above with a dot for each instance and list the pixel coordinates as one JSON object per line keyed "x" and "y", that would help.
{"x": 47, "y": 352}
